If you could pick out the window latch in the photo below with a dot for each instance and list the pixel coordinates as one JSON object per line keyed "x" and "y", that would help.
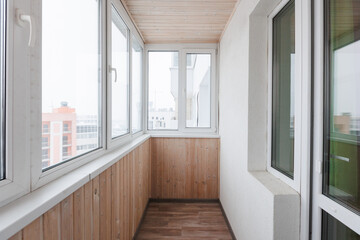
{"x": 319, "y": 167}
{"x": 25, "y": 18}
{"x": 111, "y": 69}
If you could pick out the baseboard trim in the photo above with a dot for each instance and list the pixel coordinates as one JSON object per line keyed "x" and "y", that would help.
{"x": 227, "y": 221}
{"x": 183, "y": 200}
{"x": 141, "y": 221}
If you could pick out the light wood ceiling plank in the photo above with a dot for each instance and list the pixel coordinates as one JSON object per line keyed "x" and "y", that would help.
{"x": 176, "y": 21}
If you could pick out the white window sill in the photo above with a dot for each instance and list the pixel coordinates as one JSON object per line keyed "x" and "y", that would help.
{"x": 273, "y": 184}
{"x": 19, "y": 213}
{"x": 182, "y": 135}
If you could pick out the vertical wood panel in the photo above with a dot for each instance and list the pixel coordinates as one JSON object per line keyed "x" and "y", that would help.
{"x": 105, "y": 204}
{"x": 51, "y": 223}
{"x": 17, "y": 236}
{"x": 67, "y": 227}
{"x": 121, "y": 202}
{"x": 79, "y": 214}
{"x": 115, "y": 201}
{"x": 34, "y": 230}
{"x": 96, "y": 208}
{"x": 88, "y": 215}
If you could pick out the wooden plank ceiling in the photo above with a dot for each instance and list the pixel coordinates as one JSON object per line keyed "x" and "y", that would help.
{"x": 180, "y": 21}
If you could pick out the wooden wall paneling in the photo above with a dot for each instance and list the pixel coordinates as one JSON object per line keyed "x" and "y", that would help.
{"x": 79, "y": 214}
{"x": 51, "y": 223}
{"x": 184, "y": 168}
{"x": 115, "y": 202}
{"x": 126, "y": 197}
{"x": 148, "y": 154}
{"x": 122, "y": 205}
{"x": 131, "y": 178}
{"x": 67, "y": 220}
{"x": 190, "y": 168}
{"x": 105, "y": 204}
{"x": 34, "y": 230}
{"x": 17, "y": 236}
{"x": 112, "y": 204}
{"x": 88, "y": 213}
{"x": 212, "y": 161}
{"x": 96, "y": 208}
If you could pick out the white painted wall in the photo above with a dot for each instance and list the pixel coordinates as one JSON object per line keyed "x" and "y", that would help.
{"x": 256, "y": 203}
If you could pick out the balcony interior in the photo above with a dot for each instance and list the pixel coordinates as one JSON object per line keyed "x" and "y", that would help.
{"x": 176, "y": 127}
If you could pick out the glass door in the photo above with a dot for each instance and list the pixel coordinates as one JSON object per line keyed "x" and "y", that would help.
{"x": 337, "y": 122}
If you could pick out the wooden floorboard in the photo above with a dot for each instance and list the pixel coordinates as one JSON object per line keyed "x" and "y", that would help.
{"x": 183, "y": 221}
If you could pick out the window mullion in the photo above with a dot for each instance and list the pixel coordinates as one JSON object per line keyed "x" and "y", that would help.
{"x": 182, "y": 90}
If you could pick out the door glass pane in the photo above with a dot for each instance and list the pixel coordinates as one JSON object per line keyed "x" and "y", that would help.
{"x": 120, "y": 76}
{"x": 283, "y": 90}
{"x": 342, "y": 104}
{"x": 198, "y": 90}
{"x": 136, "y": 76}
{"x": 2, "y": 85}
{"x": 333, "y": 229}
{"x": 163, "y": 90}
{"x": 70, "y": 79}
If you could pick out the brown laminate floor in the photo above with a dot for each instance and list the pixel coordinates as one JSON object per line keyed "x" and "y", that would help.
{"x": 183, "y": 221}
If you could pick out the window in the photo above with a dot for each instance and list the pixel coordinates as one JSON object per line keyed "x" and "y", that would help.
{"x": 45, "y": 154}
{"x": 45, "y": 142}
{"x": 66, "y": 127}
{"x": 70, "y": 71}
{"x": 163, "y": 91}
{"x": 65, "y": 151}
{"x": 342, "y": 104}
{"x": 136, "y": 77}
{"x": 198, "y": 90}
{"x": 120, "y": 80}
{"x": 45, "y": 128}
{"x": 66, "y": 140}
{"x": 333, "y": 229}
{"x": 283, "y": 90}
{"x": 182, "y": 90}
{"x": 2, "y": 85}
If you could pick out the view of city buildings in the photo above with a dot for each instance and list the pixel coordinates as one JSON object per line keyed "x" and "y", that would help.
{"x": 66, "y": 135}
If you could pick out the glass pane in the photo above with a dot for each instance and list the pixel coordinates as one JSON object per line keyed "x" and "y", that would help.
{"x": 342, "y": 105}
{"x": 70, "y": 78}
{"x": 120, "y": 77}
{"x": 2, "y": 85}
{"x": 198, "y": 90}
{"x": 163, "y": 90}
{"x": 283, "y": 90}
{"x": 333, "y": 229}
{"x": 136, "y": 76}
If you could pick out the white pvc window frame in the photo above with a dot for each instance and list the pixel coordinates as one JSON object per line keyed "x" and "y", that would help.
{"x": 140, "y": 131}
{"x": 16, "y": 182}
{"x": 183, "y": 50}
{"x": 38, "y": 177}
{"x": 320, "y": 201}
{"x": 213, "y": 96}
{"x": 295, "y": 182}
{"x": 117, "y": 140}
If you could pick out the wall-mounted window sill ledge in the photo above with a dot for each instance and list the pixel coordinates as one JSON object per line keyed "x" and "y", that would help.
{"x": 183, "y": 135}
{"x": 18, "y": 214}
{"x": 273, "y": 184}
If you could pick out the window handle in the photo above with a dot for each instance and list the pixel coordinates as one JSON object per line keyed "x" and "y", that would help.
{"x": 111, "y": 69}
{"x": 25, "y": 18}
